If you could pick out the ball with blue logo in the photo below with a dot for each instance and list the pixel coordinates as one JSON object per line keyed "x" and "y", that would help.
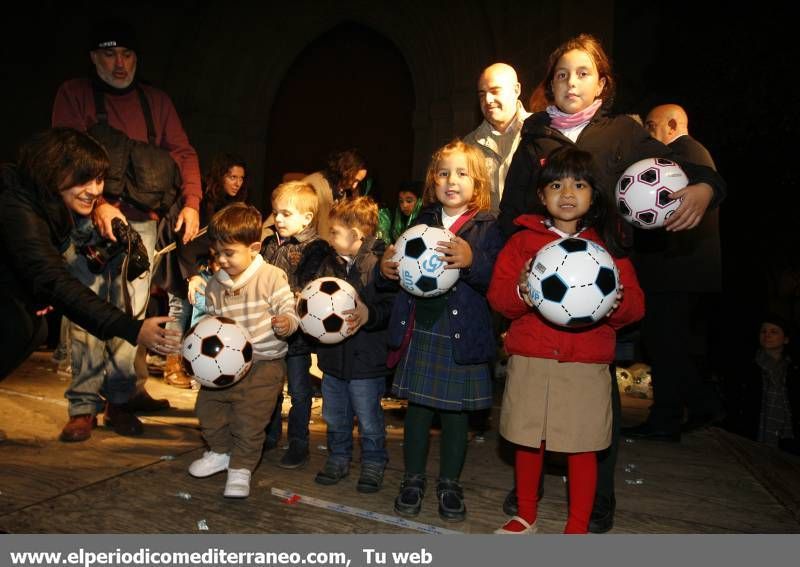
{"x": 422, "y": 272}
{"x": 573, "y": 282}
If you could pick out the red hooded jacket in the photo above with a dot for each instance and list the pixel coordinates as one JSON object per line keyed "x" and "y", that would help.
{"x": 530, "y": 334}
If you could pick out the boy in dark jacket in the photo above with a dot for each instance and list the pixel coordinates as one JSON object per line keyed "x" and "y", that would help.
{"x": 295, "y": 247}
{"x": 355, "y": 370}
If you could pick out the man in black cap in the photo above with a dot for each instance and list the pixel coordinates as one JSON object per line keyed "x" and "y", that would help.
{"x": 123, "y": 113}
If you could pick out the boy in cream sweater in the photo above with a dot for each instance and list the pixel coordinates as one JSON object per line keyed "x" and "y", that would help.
{"x": 257, "y": 296}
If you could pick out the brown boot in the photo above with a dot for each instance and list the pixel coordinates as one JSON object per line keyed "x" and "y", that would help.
{"x": 121, "y": 419}
{"x": 78, "y": 428}
{"x": 174, "y": 374}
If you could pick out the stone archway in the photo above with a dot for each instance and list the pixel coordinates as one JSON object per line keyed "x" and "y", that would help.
{"x": 349, "y": 87}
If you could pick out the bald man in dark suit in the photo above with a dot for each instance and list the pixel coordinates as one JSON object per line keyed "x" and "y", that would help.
{"x": 679, "y": 272}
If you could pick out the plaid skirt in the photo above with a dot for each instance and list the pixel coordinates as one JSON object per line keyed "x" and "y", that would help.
{"x": 427, "y": 374}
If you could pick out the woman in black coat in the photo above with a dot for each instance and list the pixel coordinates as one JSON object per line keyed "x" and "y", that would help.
{"x": 58, "y": 177}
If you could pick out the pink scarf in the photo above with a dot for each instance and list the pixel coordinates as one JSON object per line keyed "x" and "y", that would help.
{"x": 564, "y": 121}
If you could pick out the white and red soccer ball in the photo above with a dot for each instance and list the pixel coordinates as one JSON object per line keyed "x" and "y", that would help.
{"x": 573, "y": 282}
{"x": 321, "y": 308}
{"x": 217, "y": 352}
{"x": 643, "y": 192}
{"x": 422, "y": 272}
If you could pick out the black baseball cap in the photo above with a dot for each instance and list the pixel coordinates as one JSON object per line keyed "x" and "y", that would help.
{"x": 111, "y": 33}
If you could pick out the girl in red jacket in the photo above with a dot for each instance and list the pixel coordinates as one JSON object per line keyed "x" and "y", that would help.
{"x": 557, "y": 389}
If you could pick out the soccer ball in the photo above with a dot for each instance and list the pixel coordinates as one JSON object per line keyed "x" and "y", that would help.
{"x": 573, "y": 282}
{"x": 321, "y": 306}
{"x": 643, "y": 192}
{"x": 422, "y": 273}
{"x": 217, "y": 352}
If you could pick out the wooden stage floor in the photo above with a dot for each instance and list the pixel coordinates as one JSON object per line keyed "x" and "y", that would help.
{"x": 712, "y": 482}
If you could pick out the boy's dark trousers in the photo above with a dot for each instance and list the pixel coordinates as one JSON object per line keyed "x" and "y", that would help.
{"x": 301, "y": 392}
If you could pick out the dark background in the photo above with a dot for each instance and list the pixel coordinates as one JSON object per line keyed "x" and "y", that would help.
{"x": 285, "y": 84}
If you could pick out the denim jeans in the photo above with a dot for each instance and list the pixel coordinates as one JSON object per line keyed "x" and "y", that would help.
{"x": 181, "y": 310}
{"x": 341, "y": 402}
{"x": 105, "y": 367}
{"x": 299, "y": 379}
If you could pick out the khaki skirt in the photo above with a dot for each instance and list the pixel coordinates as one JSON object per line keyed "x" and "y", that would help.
{"x": 566, "y": 404}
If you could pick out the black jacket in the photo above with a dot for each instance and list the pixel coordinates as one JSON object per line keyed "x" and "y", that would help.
{"x": 301, "y": 257}
{"x": 34, "y": 232}
{"x": 616, "y": 142}
{"x": 362, "y": 355}
{"x": 688, "y": 260}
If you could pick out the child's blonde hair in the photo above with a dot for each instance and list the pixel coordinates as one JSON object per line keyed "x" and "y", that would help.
{"x": 301, "y": 195}
{"x": 476, "y": 168}
{"x": 361, "y": 213}
{"x": 238, "y": 223}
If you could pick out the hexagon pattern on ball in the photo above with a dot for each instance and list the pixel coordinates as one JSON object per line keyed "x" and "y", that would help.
{"x": 217, "y": 352}
{"x": 321, "y": 308}
{"x": 422, "y": 273}
{"x": 573, "y": 282}
{"x": 643, "y": 192}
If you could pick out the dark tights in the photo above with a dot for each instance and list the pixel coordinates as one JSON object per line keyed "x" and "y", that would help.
{"x": 416, "y": 440}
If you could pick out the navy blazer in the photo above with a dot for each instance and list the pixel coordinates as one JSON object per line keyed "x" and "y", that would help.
{"x": 470, "y": 320}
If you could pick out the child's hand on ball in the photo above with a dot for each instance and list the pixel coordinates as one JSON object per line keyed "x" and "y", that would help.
{"x": 356, "y": 317}
{"x": 522, "y": 284}
{"x": 281, "y": 324}
{"x": 457, "y": 253}
{"x": 616, "y": 303}
{"x": 388, "y": 265}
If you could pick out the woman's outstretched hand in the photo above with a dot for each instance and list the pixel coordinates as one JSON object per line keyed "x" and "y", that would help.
{"x": 157, "y": 338}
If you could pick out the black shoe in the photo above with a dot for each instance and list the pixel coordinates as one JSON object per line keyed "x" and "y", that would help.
{"x": 295, "y": 456}
{"x": 647, "y": 430}
{"x": 510, "y": 507}
{"x": 451, "y": 500}
{"x": 331, "y": 473}
{"x": 371, "y": 478}
{"x": 412, "y": 491}
{"x": 602, "y": 518}
{"x": 145, "y": 403}
{"x": 120, "y": 418}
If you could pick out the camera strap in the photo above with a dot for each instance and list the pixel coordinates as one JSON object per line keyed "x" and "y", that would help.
{"x": 126, "y": 295}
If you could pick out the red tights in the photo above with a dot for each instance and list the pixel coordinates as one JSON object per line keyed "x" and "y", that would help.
{"x": 582, "y": 471}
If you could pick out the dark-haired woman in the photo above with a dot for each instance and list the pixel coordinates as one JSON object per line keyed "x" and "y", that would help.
{"x": 55, "y": 182}
{"x": 340, "y": 179}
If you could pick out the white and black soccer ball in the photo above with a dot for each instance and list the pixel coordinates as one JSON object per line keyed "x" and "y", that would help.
{"x": 421, "y": 271}
{"x": 217, "y": 352}
{"x": 321, "y": 306}
{"x": 644, "y": 189}
{"x": 573, "y": 282}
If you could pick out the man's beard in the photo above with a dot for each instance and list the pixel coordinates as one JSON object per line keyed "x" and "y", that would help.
{"x": 109, "y": 78}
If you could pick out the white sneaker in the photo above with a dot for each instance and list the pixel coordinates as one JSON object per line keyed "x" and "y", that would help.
{"x": 238, "y": 484}
{"x": 210, "y": 463}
